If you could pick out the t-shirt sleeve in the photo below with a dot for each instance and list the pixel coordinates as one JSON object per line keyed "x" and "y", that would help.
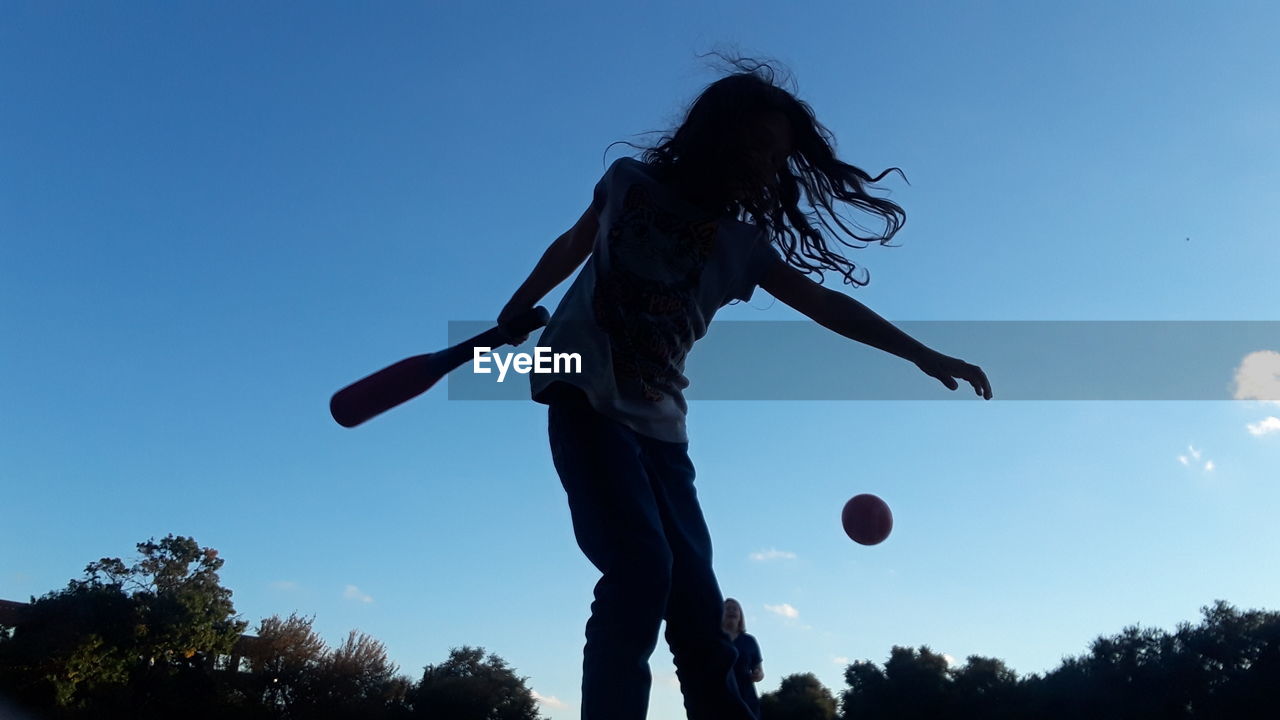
{"x": 756, "y": 659}
{"x": 760, "y": 256}
{"x": 601, "y": 193}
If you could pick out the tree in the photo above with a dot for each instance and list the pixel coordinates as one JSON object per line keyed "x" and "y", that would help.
{"x": 469, "y": 686}
{"x": 1228, "y": 666}
{"x": 70, "y": 646}
{"x": 296, "y": 675}
{"x": 913, "y": 684}
{"x": 984, "y": 688}
{"x": 867, "y": 691}
{"x": 356, "y": 679}
{"x": 185, "y": 610}
{"x": 283, "y": 656}
{"x": 917, "y": 682}
{"x": 138, "y": 636}
{"x": 800, "y": 697}
{"x": 1238, "y": 656}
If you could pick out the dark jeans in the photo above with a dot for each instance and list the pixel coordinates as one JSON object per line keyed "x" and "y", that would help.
{"x": 636, "y": 516}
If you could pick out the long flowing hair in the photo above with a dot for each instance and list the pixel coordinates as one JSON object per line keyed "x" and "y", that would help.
{"x": 710, "y": 150}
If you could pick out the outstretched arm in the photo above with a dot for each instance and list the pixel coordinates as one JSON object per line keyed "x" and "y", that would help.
{"x": 557, "y": 263}
{"x": 848, "y": 317}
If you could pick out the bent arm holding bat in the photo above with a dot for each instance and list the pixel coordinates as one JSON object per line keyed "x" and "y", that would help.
{"x": 557, "y": 263}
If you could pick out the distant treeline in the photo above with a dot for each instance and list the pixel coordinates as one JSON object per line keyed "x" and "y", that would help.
{"x": 160, "y": 639}
{"x": 1227, "y": 666}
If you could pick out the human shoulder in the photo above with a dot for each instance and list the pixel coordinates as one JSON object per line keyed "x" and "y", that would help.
{"x": 629, "y": 165}
{"x": 621, "y": 173}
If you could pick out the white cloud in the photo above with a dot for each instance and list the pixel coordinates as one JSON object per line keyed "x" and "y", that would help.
{"x": 951, "y": 662}
{"x": 841, "y": 660}
{"x": 772, "y": 554}
{"x": 1195, "y": 458}
{"x": 353, "y": 593}
{"x": 1270, "y": 425}
{"x": 1258, "y": 377}
{"x": 550, "y": 701}
{"x": 784, "y": 610}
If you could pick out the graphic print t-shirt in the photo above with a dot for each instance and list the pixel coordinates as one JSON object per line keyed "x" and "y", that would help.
{"x": 659, "y": 270}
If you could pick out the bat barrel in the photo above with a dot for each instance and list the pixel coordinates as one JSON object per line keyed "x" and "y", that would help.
{"x": 382, "y": 390}
{"x": 409, "y": 378}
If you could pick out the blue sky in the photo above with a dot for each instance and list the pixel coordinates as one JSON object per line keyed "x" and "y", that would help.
{"x": 212, "y": 216}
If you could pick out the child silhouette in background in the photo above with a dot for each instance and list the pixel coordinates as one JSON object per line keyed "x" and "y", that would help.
{"x": 701, "y": 220}
{"x": 749, "y": 669}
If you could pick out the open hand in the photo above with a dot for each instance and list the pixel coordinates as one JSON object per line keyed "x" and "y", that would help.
{"x": 947, "y": 369}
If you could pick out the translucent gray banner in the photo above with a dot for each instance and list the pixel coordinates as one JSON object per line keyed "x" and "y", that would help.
{"x": 1024, "y": 360}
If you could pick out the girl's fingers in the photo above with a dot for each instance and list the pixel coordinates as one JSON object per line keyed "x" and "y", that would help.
{"x": 982, "y": 387}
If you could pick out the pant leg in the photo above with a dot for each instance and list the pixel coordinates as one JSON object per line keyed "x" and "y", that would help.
{"x": 618, "y": 526}
{"x": 704, "y": 654}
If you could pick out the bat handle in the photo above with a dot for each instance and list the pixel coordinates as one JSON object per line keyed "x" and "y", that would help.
{"x": 526, "y": 322}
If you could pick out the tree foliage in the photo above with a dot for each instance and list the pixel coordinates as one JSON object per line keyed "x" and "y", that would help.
{"x": 470, "y": 686}
{"x": 133, "y": 636}
{"x": 283, "y": 662}
{"x": 1228, "y": 666}
{"x": 799, "y": 697}
{"x": 150, "y": 639}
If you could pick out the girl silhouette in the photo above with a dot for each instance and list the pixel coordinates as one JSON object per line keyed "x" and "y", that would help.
{"x": 701, "y": 220}
{"x": 748, "y": 670}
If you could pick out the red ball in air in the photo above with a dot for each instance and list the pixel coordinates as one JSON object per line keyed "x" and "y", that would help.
{"x": 866, "y": 519}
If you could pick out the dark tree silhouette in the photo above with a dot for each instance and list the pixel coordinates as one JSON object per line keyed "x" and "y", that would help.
{"x": 147, "y": 640}
{"x": 283, "y": 658}
{"x": 866, "y": 695}
{"x": 140, "y": 636}
{"x": 917, "y": 682}
{"x": 1226, "y": 667}
{"x": 355, "y": 679}
{"x": 72, "y": 646}
{"x": 469, "y": 686}
{"x": 294, "y": 674}
{"x": 799, "y": 697}
{"x": 984, "y": 688}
